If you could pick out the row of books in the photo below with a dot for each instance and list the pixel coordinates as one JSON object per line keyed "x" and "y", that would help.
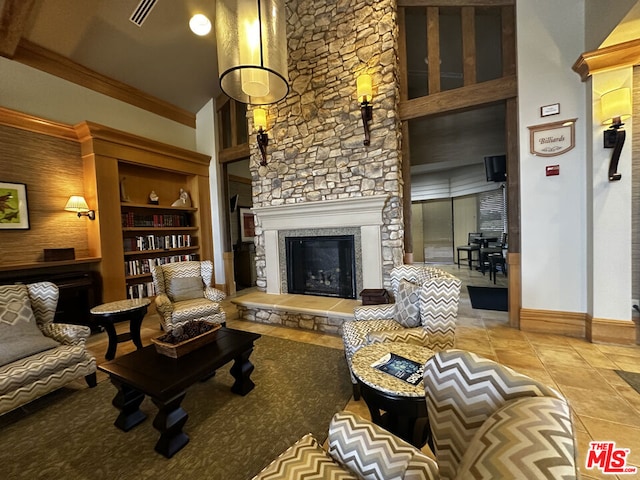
{"x": 156, "y": 242}
{"x": 131, "y": 219}
{"x": 141, "y": 290}
{"x": 142, "y": 266}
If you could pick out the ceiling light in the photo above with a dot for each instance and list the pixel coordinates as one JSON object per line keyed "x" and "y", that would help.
{"x": 200, "y": 24}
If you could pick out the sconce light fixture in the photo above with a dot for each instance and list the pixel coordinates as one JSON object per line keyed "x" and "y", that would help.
{"x": 260, "y": 124}
{"x": 252, "y": 50}
{"x": 616, "y": 107}
{"x": 79, "y": 205}
{"x": 364, "y": 87}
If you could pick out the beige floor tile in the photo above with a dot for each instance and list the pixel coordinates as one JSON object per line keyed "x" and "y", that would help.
{"x": 601, "y": 402}
{"x": 625, "y": 436}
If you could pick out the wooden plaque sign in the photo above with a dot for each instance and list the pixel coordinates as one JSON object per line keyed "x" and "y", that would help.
{"x": 551, "y": 139}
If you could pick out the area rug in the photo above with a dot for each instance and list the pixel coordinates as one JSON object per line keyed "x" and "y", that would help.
{"x": 71, "y": 434}
{"x": 632, "y": 378}
{"x": 489, "y": 298}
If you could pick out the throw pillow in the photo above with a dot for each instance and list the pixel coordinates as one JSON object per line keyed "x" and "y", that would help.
{"x": 186, "y": 288}
{"x": 408, "y": 304}
{"x": 19, "y": 331}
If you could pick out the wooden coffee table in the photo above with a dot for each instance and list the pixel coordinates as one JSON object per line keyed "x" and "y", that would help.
{"x": 165, "y": 380}
{"x": 394, "y": 404}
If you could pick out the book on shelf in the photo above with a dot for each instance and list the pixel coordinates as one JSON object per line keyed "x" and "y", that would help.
{"x": 144, "y": 265}
{"x": 131, "y": 219}
{"x": 141, "y": 290}
{"x": 400, "y": 367}
{"x": 156, "y": 242}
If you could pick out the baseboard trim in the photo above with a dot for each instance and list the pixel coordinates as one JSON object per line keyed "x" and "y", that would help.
{"x": 604, "y": 330}
{"x": 570, "y": 324}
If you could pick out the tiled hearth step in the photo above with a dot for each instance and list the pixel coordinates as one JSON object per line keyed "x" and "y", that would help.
{"x": 324, "y": 314}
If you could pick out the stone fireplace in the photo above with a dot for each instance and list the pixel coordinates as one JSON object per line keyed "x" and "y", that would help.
{"x": 357, "y": 217}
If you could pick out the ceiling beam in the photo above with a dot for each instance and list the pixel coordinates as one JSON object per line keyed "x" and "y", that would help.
{"x": 460, "y": 99}
{"x": 13, "y": 21}
{"x": 51, "y": 62}
{"x": 624, "y": 54}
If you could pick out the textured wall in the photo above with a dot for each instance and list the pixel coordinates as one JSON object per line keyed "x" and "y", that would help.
{"x": 316, "y": 149}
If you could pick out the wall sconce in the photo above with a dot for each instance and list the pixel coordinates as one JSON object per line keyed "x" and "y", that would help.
{"x": 364, "y": 87}
{"x": 252, "y": 50}
{"x": 616, "y": 107}
{"x": 260, "y": 124}
{"x": 79, "y": 205}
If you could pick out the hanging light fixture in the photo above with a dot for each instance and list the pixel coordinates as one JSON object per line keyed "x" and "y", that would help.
{"x": 252, "y": 50}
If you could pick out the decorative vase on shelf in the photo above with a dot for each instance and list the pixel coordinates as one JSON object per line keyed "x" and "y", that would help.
{"x": 183, "y": 201}
{"x": 153, "y": 198}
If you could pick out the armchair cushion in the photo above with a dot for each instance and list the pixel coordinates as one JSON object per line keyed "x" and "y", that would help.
{"x": 186, "y": 288}
{"x": 195, "y": 308}
{"x": 20, "y": 334}
{"x": 526, "y": 438}
{"x": 305, "y": 459}
{"x": 408, "y": 304}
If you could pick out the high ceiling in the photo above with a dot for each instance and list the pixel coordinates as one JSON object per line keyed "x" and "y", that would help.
{"x": 162, "y": 57}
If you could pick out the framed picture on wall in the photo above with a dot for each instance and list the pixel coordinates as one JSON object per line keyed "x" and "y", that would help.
{"x": 247, "y": 225}
{"x": 14, "y": 213}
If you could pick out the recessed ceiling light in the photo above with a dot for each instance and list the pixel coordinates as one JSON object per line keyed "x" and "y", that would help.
{"x": 199, "y": 24}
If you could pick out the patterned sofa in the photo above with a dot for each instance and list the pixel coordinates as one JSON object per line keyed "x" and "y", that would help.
{"x": 487, "y": 422}
{"x": 424, "y": 313}
{"x": 184, "y": 293}
{"x": 38, "y": 356}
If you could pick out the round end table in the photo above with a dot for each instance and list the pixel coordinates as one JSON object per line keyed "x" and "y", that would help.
{"x": 394, "y": 404}
{"x": 108, "y": 314}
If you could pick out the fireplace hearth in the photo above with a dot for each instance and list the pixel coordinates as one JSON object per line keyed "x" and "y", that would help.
{"x": 321, "y": 265}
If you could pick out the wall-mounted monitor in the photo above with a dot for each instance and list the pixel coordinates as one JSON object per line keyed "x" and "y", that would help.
{"x": 496, "y": 168}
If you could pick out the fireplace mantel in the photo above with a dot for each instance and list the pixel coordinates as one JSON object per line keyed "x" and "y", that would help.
{"x": 359, "y": 212}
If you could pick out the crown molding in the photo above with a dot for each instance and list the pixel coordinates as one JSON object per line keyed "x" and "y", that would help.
{"x": 624, "y": 54}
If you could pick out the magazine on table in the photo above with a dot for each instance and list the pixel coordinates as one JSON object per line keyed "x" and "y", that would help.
{"x": 400, "y": 367}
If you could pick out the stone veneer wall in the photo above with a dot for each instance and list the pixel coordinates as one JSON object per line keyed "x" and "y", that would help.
{"x": 316, "y": 149}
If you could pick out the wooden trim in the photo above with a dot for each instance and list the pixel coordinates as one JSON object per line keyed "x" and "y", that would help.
{"x": 604, "y": 330}
{"x": 23, "y": 121}
{"x": 624, "y": 54}
{"x": 402, "y": 56}
{"x": 454, "y": 3}
{"x": 101, "y": 136}
{"x": 514, "y": 269}
{"x": 237, "y": 179}
{"x": 48, "y": 61}
{"x": 468, "y": 45}
{"x": 571, "y": 324}
{"x": 508, "y": 16}
{"x": 13, "y": 22}
{"x": 234, "y": 153}
{"x": 433, "y": 49}
{"x": 39, "y": 265}
{"x": 462, "y": 98}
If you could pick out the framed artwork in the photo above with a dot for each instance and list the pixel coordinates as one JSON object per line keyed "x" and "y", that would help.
{"x": 552, "y": 139}
{"x": 247, "y": 225}
{"x": 14, "y": 213}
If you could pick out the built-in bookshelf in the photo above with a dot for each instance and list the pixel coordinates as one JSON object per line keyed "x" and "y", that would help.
{"x": 154, "y": 235}
{"x": 132, "y": 232}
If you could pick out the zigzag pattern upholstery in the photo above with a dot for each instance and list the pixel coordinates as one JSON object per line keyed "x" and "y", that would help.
{"x": 26, "y": 379}
{"x": 357, "y": 449}
{"x": 439, "y": 298}
{"x": 173, "y": 313}
{"x": 488, "y": 422}
{"x": 463, "y": 390}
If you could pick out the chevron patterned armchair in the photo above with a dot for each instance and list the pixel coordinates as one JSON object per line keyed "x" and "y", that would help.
{"x": 424, "y": 313}
{"x": 184, "y": 293}
{"x": 37, "y": 355}
{"x": 487, "y": 422}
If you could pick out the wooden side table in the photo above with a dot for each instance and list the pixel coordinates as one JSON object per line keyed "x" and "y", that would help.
{"x": 403, "y": 404}
{"x": 108, "y": 314}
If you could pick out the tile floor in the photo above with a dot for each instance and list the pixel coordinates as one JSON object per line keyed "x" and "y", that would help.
{"x": 605, "y": 407}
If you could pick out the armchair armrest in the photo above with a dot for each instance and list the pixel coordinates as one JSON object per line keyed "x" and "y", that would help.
{"x": 385, "y": 311}
{"x": 164, "y": 306}
{"x": 416, "y": 336}
{"x": 66, "y": 333}
{"x": 214, "y": 294}
{"x": 352, "y": 439}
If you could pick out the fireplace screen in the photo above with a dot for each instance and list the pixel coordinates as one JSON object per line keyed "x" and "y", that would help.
{"x": 323, "y": 266}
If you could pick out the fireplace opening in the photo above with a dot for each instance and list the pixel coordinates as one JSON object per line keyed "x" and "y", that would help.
{"x": 322, "y": 266}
